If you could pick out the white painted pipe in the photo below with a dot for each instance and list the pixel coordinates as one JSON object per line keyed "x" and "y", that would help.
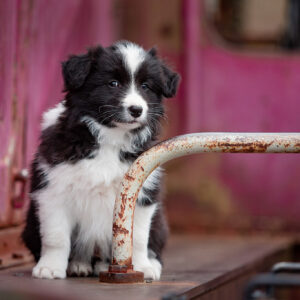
{"x": 176, "y": 147}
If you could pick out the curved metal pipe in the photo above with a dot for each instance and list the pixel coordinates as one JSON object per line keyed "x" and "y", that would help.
{"x": 176, "y": 147}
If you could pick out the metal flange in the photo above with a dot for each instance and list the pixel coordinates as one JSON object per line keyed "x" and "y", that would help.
{"x": 121, "y": 274}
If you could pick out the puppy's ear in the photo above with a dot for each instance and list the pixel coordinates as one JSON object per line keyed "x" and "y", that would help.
{"x": 171, "y": 81}
{"x": 153, "y": 51}
{"x": 76, "y": 69}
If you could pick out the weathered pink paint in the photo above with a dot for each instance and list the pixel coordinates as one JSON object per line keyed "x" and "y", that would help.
{"x": 76, "y": 26}
{"x": 9, "y": 108}
{"x": 246, "y": 92}
{"x": 192, "y": 66}
{"x": 35, "y": 36}
{"x": 222, "y": 90}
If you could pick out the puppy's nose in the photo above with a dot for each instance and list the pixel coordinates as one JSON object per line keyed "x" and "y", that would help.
{"x": 135, "y": 110}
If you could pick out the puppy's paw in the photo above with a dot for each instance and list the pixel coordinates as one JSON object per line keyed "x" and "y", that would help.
{"x": 79, "y": 268}
{"x": 100, "y": 266}
{"x": 48, "y": 270}
{"x": 151, "y": 268}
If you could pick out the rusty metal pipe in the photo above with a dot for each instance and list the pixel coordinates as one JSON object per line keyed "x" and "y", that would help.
{"x": 176, "y": 147}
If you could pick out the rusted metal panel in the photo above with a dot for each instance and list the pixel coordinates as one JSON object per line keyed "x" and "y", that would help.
{"x": 12, "y": 251}
{"x": 35, "y": 36}
{"x": 11, "y": 111}
{"x": 177, "y": 147}
{"x": 50, "y": 38}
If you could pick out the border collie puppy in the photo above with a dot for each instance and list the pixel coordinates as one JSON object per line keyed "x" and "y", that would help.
{"x": 111, "y": 114}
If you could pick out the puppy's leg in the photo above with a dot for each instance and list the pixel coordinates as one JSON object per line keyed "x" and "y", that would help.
{"x": 80, "y": 264}
{"x": 142, "y": 224}
{"x": 103, "y": 259}
{"x": 55, "y": 232}
{"x": 158, "y": 236}
{"x": 101, "y": 265}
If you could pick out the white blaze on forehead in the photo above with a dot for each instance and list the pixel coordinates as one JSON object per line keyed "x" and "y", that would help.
{"x": 133, "y": 55}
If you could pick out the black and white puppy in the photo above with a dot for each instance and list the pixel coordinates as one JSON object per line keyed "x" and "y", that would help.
{"x": 111, "y": 114}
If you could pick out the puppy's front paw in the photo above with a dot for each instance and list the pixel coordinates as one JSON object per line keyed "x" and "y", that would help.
{"x": 100, "y": 266}
{"x": 48, "y": 270}
{"x": 79, "y": 268}
{"x": 151, "y": 268}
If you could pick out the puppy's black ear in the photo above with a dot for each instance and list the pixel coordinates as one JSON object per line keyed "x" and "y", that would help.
{"x": 171, "y": 81}
{"x": 77, "y": 68}
{"x": 153, "y": 51}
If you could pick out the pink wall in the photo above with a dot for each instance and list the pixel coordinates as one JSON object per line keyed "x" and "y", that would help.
{"x": 7, "y": 132}
{"x": 222, "y": 89}
{"x": 244, "y": 92}
{"x": 35, "y": 36}
{"x": 232, "y": 90}
{"x": 56, "y": 29}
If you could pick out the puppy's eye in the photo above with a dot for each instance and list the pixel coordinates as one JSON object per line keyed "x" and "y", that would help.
{"x": 145, "y": 86}
{"x": 114, "y": 83}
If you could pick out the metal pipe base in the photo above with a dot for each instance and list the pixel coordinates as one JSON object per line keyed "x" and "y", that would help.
{"x": 121, "y": 274}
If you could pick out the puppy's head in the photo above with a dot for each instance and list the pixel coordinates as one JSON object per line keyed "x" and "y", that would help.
{"x": 119, "y": 86}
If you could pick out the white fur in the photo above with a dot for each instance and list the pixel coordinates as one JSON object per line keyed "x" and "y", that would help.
{"x": 134, "y": 98}
{"x": 84, "y": 194}
{"x": 93, "y": 126}
{"x": 144, "y": 134}
{"x": 141, "y": 228}
{"x": 50, "y": 116}
{"x": 79, "y": 268}
{"x": 151, "y": 182}
{"x": 100, "y": 266}
{"x": 133, "y": 55}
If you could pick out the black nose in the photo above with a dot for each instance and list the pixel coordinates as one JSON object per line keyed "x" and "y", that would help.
{"x": 135, "y": 110}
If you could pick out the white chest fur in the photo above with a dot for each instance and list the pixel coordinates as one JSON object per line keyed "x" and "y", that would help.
{"x": 86, "y": 191}
{"x": 81, "y": 196}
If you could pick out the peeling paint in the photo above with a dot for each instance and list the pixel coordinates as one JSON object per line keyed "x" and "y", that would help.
{"x": 177, "y": 147}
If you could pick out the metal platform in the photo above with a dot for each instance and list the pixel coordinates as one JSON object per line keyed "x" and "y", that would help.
{"x": 205, "y": 267}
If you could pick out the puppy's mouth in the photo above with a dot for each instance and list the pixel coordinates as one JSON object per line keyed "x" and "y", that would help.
{"x": 132, "y": 124}
{"x": 128, "y": 121}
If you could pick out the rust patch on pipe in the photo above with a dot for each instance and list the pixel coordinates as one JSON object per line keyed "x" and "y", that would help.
{"x": 128, "y": 177}
{"x": 120, "y": 243}
{"x": 118, "y": 229}
{"x": 177, "y": 147}
{"x": 126, "y": 263}
{"x": 242, "y": 147}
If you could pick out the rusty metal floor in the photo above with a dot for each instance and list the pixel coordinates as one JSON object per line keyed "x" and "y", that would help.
{"x": 201, "y": 267}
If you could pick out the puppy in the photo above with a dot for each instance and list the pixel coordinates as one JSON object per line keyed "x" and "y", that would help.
{"x": 111, "y": 114}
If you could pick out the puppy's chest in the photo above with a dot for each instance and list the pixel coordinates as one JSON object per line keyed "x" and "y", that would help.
{"x": 104, "y": 170}
{"x": 90, "y": 177}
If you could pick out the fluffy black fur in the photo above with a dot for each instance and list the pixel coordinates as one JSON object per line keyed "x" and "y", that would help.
{"x": 88, "y": 93}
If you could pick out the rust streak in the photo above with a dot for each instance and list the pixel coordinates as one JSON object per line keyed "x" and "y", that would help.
{"x": 121, "y": 242}
{"x": 241, "y": 147}
{"x": 126, "y": 262}
{"x": 119, "y": 230}
{"x": 128, "y": 177}
{"x": 177, "y": 147}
